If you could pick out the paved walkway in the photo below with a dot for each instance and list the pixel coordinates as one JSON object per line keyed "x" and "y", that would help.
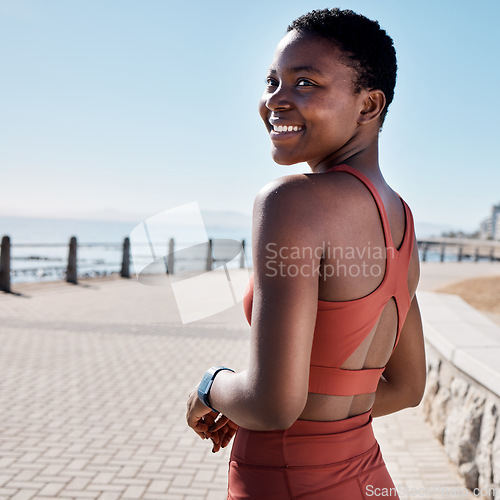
{"x": 93, "y": 384}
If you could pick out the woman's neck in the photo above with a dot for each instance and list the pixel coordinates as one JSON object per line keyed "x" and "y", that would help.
{"x": 364, "y": 159}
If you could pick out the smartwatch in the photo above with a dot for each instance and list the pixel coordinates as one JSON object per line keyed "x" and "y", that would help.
{"x": 206, "y": 384}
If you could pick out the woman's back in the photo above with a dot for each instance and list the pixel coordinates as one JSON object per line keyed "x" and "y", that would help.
{"x": 361, "y": 303}
{"x": 363, "y": 296}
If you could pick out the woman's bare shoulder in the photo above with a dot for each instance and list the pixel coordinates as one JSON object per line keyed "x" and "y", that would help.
{"x": 302, "y": 190}
{"x": 286, "y": 210}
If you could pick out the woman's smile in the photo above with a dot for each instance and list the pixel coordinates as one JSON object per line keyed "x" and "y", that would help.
{"x": 280, "y": 131}
{"x": 287, "y": 128}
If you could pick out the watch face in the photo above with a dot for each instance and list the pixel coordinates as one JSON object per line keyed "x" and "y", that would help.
{"x": 204, "y": 387}
{"x": 205, "y": 382}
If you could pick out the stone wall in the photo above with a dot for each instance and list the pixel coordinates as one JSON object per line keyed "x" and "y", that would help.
{"x": 461, "y": 402}
{"x": 464, "y": 417}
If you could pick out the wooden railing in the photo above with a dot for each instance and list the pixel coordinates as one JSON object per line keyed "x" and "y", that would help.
{"x": 445, "y": 248}
{"x": 461, "y": 248}
{"x": 71, "y": 269}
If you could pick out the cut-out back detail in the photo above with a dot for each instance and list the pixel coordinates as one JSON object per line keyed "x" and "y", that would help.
{"x": 341, "y": 326}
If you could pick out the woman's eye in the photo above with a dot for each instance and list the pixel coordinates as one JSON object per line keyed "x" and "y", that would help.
{"x": 271, "y": 82}
{"x": 305, "y": 83}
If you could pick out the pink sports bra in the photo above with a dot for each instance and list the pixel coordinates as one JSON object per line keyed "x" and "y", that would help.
{"x": 341, "y": 326}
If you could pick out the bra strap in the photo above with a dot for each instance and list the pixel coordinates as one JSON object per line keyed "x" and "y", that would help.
{"x": 342, "y": 382}
{"x": 378, "y": 200}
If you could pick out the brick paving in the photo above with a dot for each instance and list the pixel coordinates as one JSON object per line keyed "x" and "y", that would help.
{"x": 93, "y": 384}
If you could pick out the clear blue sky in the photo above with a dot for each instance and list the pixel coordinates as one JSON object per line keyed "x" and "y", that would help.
{"x": 139, "y": 106}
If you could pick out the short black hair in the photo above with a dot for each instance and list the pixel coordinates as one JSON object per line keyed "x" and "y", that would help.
{"x": 369, "y": 49}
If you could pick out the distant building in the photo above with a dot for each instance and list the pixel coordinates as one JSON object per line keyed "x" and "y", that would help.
{"x": 485, "y": 229}
{"x": 490, "y": 227}
{"x": 496, "y": 225}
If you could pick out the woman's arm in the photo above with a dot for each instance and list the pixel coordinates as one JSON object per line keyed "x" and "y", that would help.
{"x": 272, "y": 392}
{"x": 403, "y": 381}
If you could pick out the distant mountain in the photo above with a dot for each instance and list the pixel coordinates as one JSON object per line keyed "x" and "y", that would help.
{"x": 225, "y": 219}
{"x": 213, "y": 218}
{"x": 428, "y": 229}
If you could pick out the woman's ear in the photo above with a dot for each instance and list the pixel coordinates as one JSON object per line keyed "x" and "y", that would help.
{"x": 373, "y": 105}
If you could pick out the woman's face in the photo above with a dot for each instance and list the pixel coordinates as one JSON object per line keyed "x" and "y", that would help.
{"x": 309, "y": 106}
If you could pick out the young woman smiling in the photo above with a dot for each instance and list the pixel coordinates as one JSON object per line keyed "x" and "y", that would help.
{"x": 328, "y": 350}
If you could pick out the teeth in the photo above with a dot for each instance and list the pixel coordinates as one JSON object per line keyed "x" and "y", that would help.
{"x": 287, "y": 128}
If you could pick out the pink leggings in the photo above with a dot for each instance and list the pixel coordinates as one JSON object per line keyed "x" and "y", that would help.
{"x": 338, "y": 460}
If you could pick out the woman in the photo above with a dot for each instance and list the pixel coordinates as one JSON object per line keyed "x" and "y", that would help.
{"x": 336, "y": 330}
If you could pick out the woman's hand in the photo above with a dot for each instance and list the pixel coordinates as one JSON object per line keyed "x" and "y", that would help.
{"x": 209, "y": 424}
{"x": 199, "y": 417}
{"x": 222, "y": 433}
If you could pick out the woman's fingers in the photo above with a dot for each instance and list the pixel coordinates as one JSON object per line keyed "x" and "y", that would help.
{"x": 231, "y": 431}
{"x": 233, "y": 426}
{"x": 222, "y": 437}
{"x": 218, "y": 423}
{"x": 215, "y": 447}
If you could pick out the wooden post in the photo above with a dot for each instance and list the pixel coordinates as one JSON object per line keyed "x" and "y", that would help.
{"x": 71, "y": 271}
{"x": 443, "y": 248}
{"x": 170, "y": 256}
{"x": 242, "y": 258}
{"x": 5, "y": 265}
{"x": 210, "y": 258}
{"x": 125, "y": 272}
{"x": 460, "y": 253}
{"x": 424, "y": 252}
